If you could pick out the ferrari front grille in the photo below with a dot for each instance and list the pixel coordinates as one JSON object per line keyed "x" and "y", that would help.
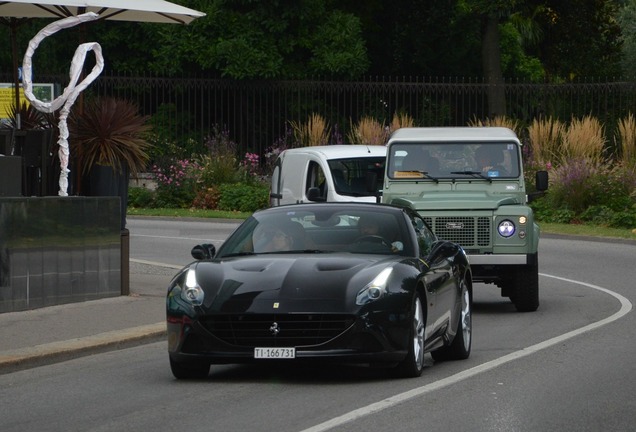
{"x": 271, "y": 330}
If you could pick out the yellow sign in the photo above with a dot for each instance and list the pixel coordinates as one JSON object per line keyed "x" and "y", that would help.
{"x": 43, "y": 92}
{"x": 7, "y": 100}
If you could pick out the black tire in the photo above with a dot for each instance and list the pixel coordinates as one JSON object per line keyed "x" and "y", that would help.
{"x": 460, "y": 347}
{"x": 189, "y": 370}
{"x": 526, "y": 289}
{"x": 413, "y": 364}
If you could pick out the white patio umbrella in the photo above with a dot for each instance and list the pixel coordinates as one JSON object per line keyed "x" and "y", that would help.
{"x": 15, "y": 12}
{"x": 74, "y": 12}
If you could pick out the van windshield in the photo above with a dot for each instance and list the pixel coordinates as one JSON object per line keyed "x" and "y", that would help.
{"x": 486, "y": 160}
{"x": 350, "y": 175}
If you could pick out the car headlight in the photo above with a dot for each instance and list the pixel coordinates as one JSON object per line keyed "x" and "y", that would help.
{"x": 375, "y": 288}
{"x": 192, "y": 293}
{"x": 506, "y": 228}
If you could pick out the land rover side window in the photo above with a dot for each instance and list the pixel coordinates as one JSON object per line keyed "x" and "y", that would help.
{"x": 316, "y": 178}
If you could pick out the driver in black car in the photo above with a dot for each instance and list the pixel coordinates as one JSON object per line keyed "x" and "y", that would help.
{"x": 370, "y": 227}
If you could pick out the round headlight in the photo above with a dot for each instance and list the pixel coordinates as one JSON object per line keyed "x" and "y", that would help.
{"x": 522, "y": 220}
{"x": 506, "y": 228}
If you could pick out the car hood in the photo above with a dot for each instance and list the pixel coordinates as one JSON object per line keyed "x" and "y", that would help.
{"x": 464, "y": 200}
{"x": 285, "y": 283}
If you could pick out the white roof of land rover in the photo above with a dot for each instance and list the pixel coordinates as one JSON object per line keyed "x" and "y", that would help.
{"x": 466, "y": 133}
{"x": 343, "y": 151}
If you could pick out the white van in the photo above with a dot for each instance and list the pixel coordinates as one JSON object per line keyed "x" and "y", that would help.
{"x": 326, "y": 173}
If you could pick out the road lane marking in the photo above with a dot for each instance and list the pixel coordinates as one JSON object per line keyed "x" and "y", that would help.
{"x": 626, "y": 307}
{"x": 157, "y": 264}
{"x": 176, "y": 238}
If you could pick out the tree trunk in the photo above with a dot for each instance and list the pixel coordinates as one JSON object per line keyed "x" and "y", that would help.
{"x": 491, "y": 63}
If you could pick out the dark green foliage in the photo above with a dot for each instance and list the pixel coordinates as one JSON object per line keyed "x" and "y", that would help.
{"x": 242, "y": 197}
{"x": 584, "y": 192}
{"x": 139, "y": 197}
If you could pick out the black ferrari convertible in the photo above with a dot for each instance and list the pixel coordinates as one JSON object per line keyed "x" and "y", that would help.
{"x": 345, "y": 282}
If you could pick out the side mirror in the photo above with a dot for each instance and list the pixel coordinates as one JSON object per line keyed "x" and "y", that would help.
{"x": 371, "y": 185}
{"x": 541, "y": 181}
{"x": 371, "y": 181}
{"x": 313, "y": 194}
{"x": 203, "y": 251}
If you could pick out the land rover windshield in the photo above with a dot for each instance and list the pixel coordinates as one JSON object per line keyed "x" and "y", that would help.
{"x": 456, "y": 160}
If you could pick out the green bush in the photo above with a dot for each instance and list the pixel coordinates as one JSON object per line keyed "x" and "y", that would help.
{"x": 242, "y": 197}
{"x": 139, "y": 197}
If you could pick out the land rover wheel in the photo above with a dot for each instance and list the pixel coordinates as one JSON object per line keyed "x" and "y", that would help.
{"x": 526, "y": 289}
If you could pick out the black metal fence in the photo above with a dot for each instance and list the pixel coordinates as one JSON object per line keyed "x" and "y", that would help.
{"x": 256, "y": 114}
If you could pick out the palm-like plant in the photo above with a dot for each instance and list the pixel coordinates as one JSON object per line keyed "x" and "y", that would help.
{"x": 109, "y": 132}
{"x": 30, "y": 118}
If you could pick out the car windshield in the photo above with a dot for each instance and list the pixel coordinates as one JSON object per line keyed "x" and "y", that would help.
{"x": 485, "y": 160}
{"x": 323, "y": 229}
{"x": 350, "y": 175}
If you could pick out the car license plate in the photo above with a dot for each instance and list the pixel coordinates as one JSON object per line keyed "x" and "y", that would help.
{"x": 274, "y": 353}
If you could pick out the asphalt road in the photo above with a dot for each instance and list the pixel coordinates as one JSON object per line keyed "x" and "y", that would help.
{"x": 567, "y": 367}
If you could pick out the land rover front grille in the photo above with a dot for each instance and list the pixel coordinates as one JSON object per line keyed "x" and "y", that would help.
{"x": 469, "y": 232}
{"x": 273, "y": 330}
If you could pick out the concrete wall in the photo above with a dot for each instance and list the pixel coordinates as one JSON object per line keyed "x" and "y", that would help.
{"x": 57, "y": 250}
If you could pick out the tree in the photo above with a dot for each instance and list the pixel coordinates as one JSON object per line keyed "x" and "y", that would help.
{"x": 245, "y": 39}
{"x": 627, "y": 21}
{"x": 492, "y": 15}
{"x": 582, "y": 44}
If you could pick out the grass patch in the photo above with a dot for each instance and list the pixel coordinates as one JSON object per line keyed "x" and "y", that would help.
{"x": 587, "y": 230}
{"x": 193, "y": 213}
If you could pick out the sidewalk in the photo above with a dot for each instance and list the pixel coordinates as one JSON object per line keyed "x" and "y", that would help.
{"x": 47, "y": 335}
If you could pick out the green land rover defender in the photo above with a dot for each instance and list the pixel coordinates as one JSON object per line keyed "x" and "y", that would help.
{"x": 468, "y": 184}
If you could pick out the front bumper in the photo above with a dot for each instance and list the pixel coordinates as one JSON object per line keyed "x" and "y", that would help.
{"x": 375, "y": 337}
{"x": 498, "y": 259}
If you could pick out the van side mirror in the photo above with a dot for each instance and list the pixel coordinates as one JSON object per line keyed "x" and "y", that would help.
{"x": 371, "y": 184}
{"x": 313, "y": 194}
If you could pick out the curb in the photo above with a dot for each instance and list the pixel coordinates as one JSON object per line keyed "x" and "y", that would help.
{"x": 55, "y": 352}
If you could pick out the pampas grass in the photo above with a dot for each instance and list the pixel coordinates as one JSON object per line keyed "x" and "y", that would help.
{"x": 627, "y": 138}
{"x": 315, "y": 132}
{"x": 583, "y": 139}
{"x": 545, "y": 140}
{"x": 499, "y": 121}
{"x": 400, "y": 121}
{"x": 368, "y": 131}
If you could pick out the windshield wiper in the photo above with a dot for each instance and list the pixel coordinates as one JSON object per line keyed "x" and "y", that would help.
{"x": 476, "y": 174}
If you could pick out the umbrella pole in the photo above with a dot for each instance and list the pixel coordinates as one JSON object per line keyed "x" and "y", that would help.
{"x": 16, "y": 78}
